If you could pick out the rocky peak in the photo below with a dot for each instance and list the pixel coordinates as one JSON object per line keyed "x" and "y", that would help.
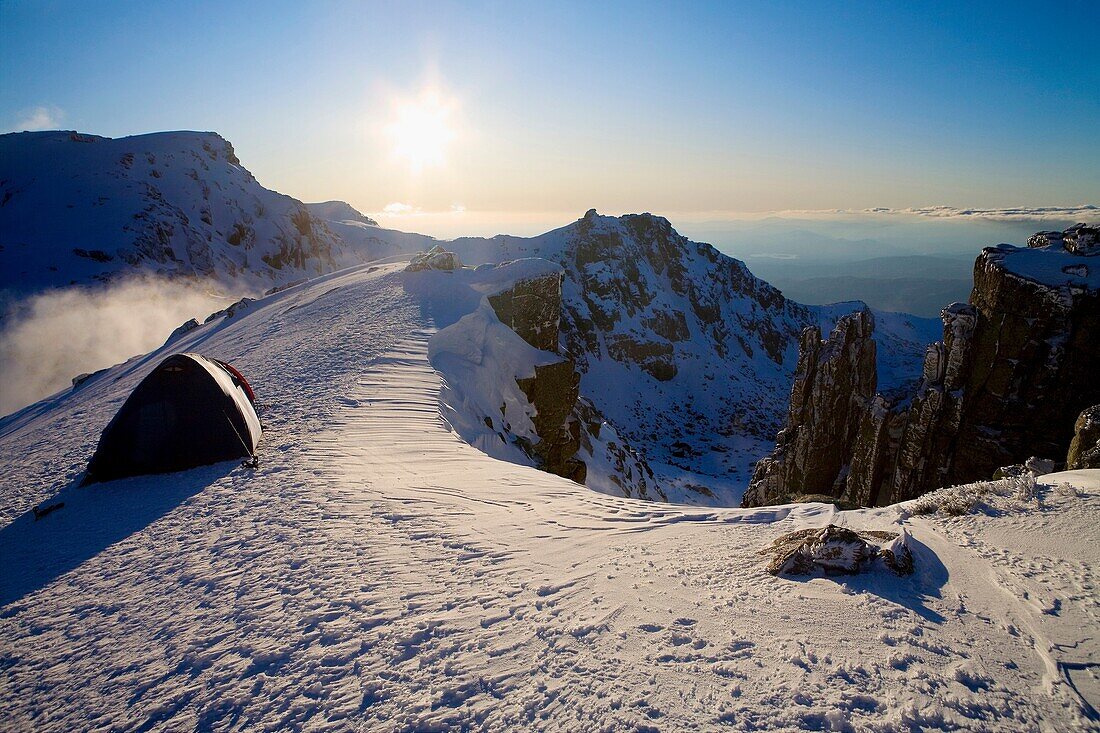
{"x": 1016, "y": 366}
{"x": 834, "y": 384}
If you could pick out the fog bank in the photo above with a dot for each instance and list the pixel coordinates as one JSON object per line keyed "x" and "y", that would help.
{"x": 47, "y": 339}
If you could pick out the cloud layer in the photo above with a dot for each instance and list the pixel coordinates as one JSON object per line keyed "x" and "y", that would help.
{"x": 49, "y": 338}
{"x": 1083, "y": 212}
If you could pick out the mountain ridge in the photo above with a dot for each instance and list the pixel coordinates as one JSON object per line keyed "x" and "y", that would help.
{"x": 681, "y": 347}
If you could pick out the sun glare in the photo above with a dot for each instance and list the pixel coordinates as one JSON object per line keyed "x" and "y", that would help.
{"x": 421, "y": 131}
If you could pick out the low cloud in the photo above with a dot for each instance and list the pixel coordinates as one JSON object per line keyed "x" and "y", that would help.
{"x": 1083, "y": 212}
{"x": 47, "y": 339}
{"x": 397, "y": 208}
{"x": 38, "y": 118}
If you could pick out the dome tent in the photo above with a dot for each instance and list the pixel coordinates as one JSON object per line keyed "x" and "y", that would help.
{"x": 190, "y": 411}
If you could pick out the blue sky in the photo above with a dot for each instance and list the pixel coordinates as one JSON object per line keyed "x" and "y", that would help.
{"x": 560, "y": 106}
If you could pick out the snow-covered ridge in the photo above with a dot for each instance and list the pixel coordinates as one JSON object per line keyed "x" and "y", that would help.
{"x": 377, "y": 572}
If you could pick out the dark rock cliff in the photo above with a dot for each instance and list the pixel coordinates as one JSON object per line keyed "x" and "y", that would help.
{"x": 834, "y": 384}
{"x": 1016, "y": 367}
{"x": 532, "y": 308}
{"x": 571, "y": 431}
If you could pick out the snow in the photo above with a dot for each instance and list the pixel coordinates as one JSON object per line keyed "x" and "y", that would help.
{"x": 376, "y": 571}
{"x": 1051, "y": 265}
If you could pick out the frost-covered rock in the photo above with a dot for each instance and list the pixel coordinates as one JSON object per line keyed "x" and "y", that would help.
{"x": 1080, "y": 239}
{"x": 836, "y": 550}
{"x": 1084, "y": 449}
{"x": 1033, "y": 466}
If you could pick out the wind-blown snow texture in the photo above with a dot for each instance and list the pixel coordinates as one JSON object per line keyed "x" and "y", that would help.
{"x": 377, "y": 572}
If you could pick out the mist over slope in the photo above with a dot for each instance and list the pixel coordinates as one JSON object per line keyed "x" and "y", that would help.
{"x": 48, "y": 338}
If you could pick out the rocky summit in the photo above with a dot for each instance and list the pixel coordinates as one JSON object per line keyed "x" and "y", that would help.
{"x": 1014, "y": 370}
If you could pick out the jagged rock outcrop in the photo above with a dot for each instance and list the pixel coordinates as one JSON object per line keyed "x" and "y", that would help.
{"x": 834, "y": 383}
{"x": 1084, "y": 449}
{"x": 1014, "y": 370}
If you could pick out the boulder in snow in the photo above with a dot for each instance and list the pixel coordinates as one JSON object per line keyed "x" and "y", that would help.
{"x": 436, "y": 258}
{"x": 838, "y": 550}
{"x": 1033, "y": 466}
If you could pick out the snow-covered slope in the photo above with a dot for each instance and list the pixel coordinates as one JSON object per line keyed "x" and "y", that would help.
{"x": 376, "y": 572}
{"x": 76, "y": 208}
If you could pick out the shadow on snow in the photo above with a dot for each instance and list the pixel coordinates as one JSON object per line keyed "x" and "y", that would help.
{"x": 928, "y": 578}
{"x": 35, "y": 553}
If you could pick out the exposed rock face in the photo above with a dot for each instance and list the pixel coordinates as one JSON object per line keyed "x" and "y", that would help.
{"x": 834, "y": 383}
{"x": 1015, "y": 368}
{"x": 924, "y": 450}
{"x": 568, "y": 428}
{"x": 1084, "y": 449}
{"x": 532, "y": 308}
{"x": 554, "y": 391}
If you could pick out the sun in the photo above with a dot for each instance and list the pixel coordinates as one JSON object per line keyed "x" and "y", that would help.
{"x": 421, "y": 130}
